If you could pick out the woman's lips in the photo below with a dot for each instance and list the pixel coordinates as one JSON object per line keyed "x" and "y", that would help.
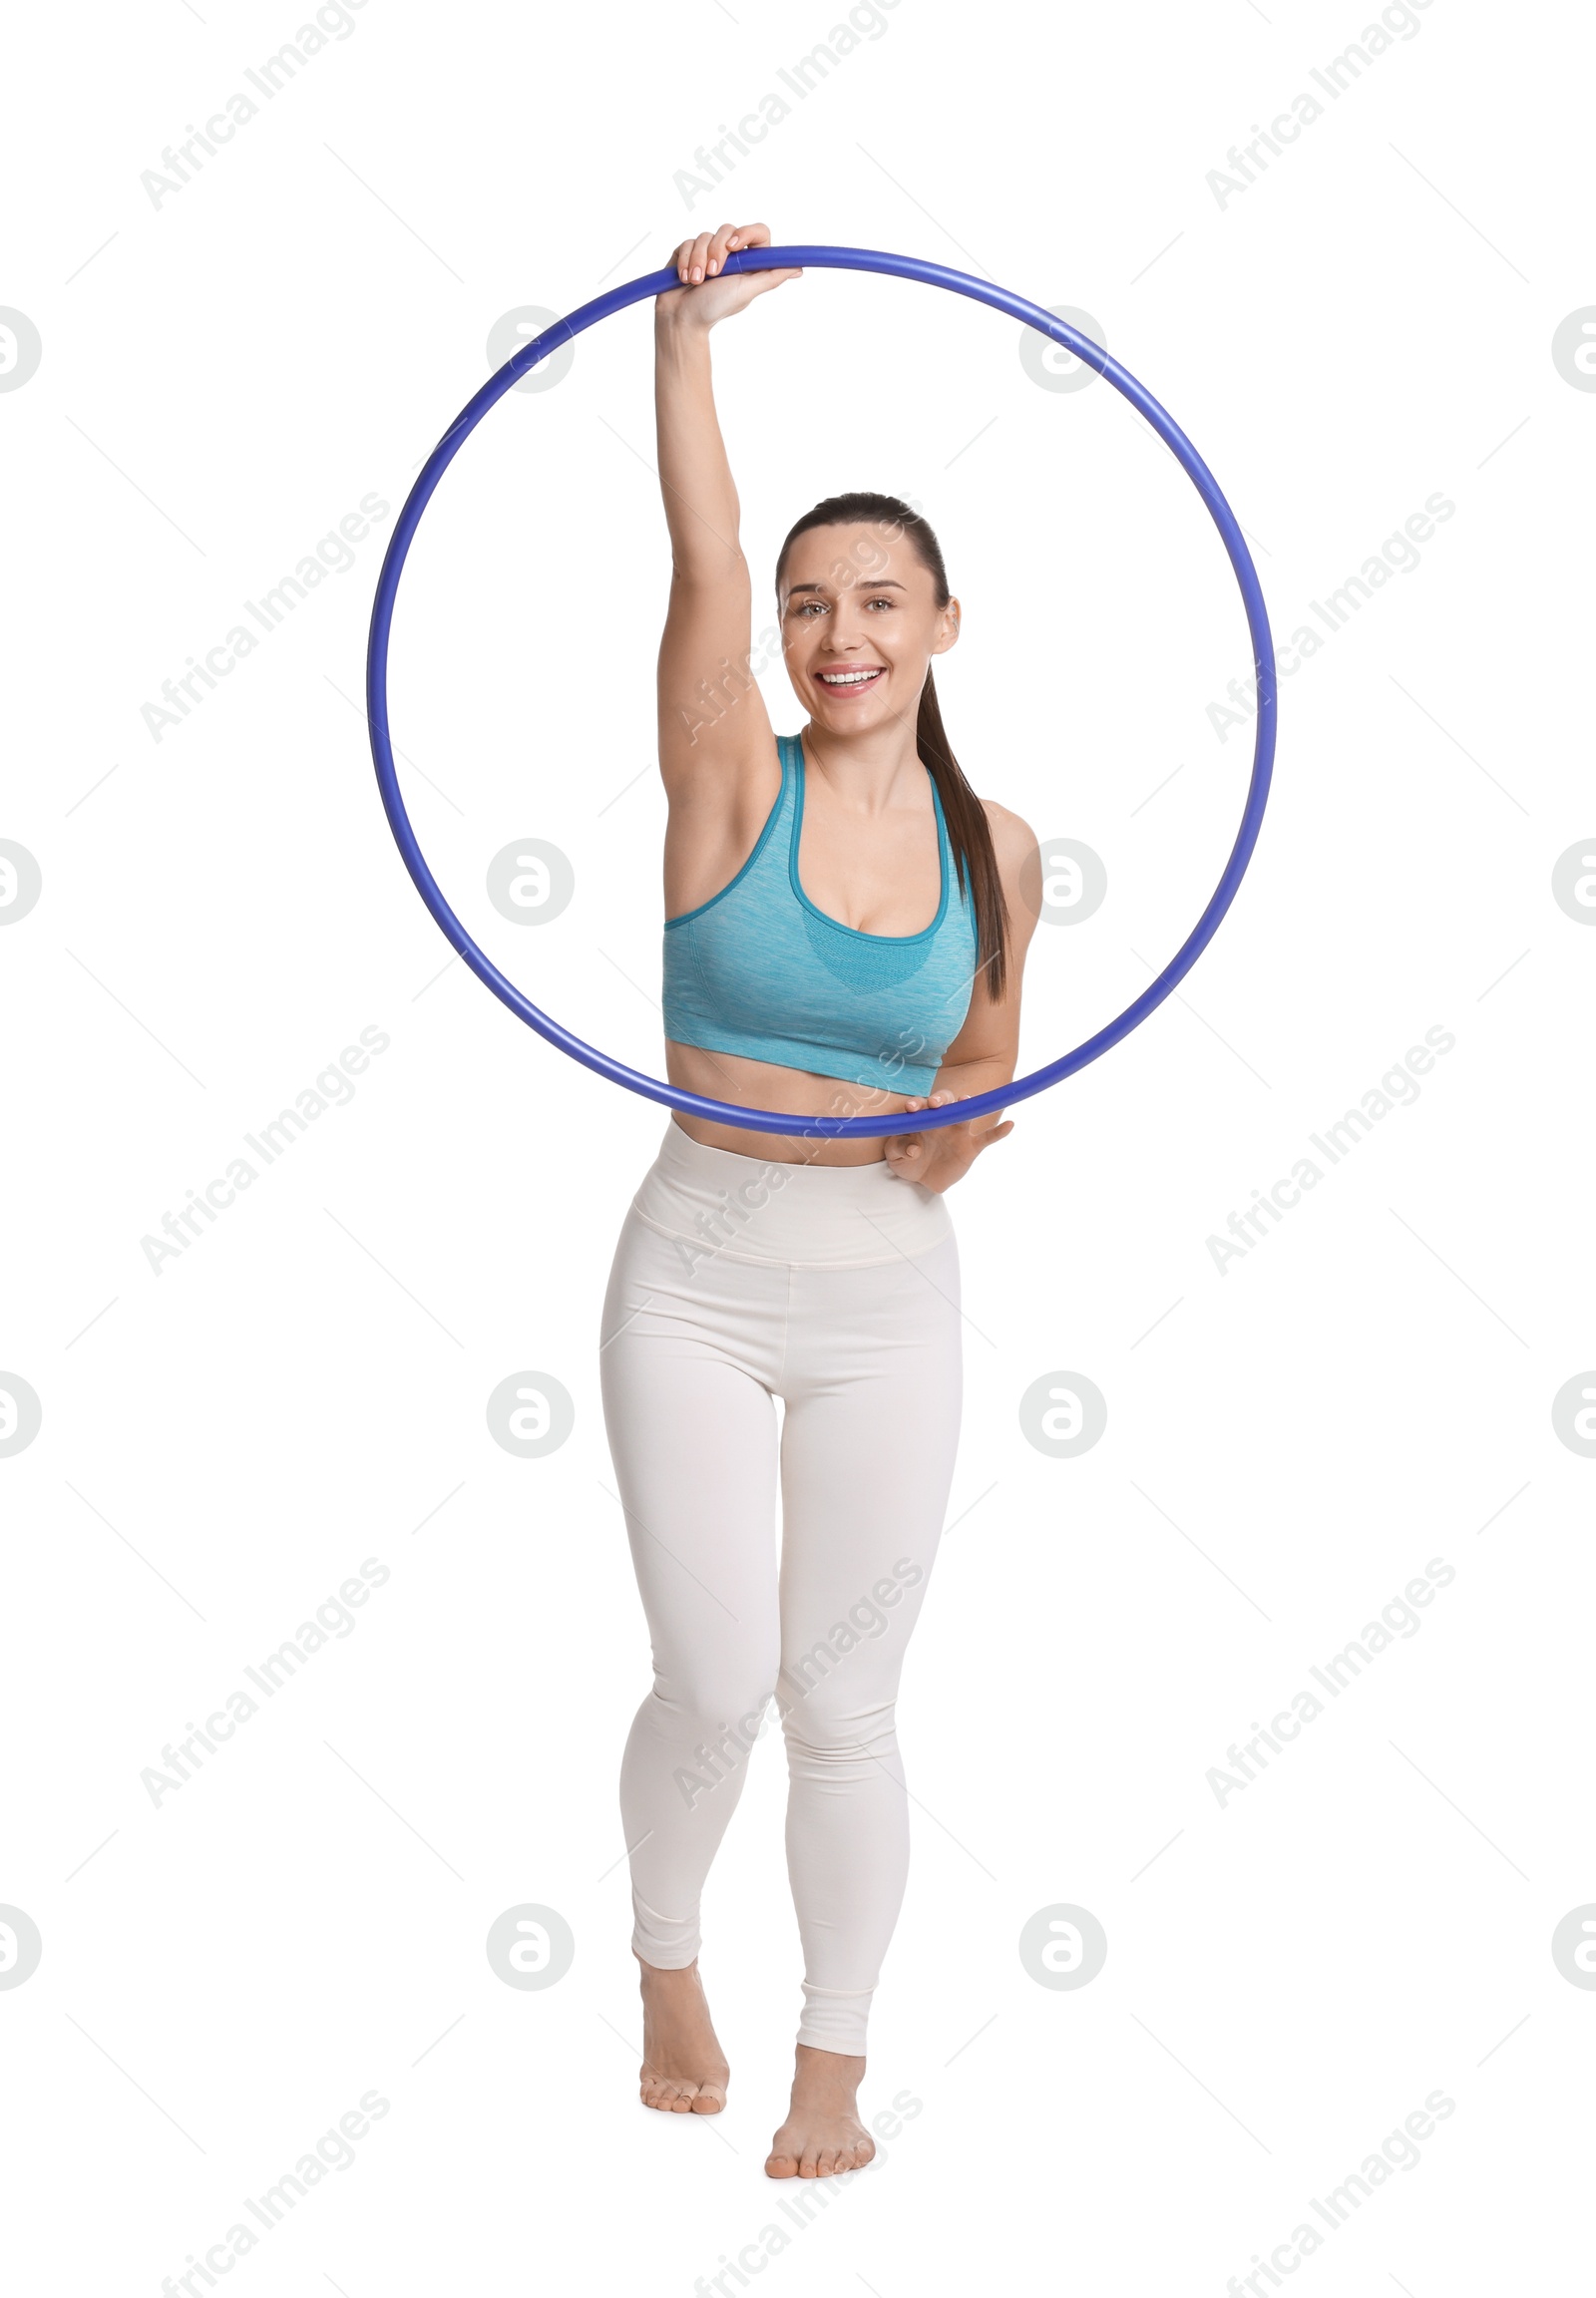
{"x": 858, "y": 681}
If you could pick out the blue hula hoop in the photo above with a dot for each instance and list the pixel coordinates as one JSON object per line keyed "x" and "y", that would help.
{"x": 654, "y": 1088}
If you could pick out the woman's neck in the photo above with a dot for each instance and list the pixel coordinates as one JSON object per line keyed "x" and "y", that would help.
{"x": 869, "y": 772}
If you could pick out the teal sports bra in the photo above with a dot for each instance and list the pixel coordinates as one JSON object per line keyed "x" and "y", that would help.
{"x": 759, "y": 970}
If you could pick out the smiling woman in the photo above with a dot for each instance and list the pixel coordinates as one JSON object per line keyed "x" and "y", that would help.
{"x": 844, "y": 931}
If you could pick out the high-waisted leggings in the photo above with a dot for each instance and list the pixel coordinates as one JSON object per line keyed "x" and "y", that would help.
{"x": 835, "y": 1288}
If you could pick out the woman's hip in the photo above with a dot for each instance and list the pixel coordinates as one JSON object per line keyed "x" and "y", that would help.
{"x": 720, "y": 1259}
{"x": 716, "y": 1207}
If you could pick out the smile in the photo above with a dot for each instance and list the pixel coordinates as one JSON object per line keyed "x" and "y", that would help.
{"x": 850, "y": 678}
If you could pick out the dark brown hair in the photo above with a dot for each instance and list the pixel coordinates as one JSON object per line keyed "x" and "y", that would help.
{"x": 969, "y": 832}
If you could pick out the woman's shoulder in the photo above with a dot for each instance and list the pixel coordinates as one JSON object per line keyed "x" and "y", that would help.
{"x": 1012, "y": 838}
{"x": 1017, "y": 851}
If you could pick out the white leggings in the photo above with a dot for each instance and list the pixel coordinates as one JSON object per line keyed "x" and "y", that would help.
{"x": 834, "y": 1287}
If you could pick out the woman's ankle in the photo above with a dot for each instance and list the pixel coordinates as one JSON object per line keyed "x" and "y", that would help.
{"x": 666, "y": 1971}
{"x": 820, "y": 2061}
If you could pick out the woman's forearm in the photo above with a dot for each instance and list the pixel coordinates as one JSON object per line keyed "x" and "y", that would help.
{"x": 966, "y": 1079}
{"x": 700, "y": 498}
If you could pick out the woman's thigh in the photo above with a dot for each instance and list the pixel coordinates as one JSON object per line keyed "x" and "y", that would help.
{"x": 691, "y": 1426}
{"x": 874, "y": 1385}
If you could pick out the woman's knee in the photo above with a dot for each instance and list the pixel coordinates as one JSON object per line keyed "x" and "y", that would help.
{"x": 828, "y": 1718}
{"x": 718, "y": 1699}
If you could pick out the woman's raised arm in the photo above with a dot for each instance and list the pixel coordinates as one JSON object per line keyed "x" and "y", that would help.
{"x": 711, "y": 714}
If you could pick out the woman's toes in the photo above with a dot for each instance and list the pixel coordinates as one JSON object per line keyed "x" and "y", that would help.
{"x": 711, "y": 2100}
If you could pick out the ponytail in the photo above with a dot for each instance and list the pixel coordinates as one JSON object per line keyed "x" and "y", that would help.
{"x": 970, "y": 835}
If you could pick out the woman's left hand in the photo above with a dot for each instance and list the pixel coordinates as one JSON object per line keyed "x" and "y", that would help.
{"x": 943, "y": 1155}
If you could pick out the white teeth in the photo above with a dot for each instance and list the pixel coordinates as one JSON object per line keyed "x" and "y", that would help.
{"x": 847, "y": 678}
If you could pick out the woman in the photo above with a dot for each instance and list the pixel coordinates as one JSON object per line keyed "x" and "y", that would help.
{"x": 801, "y": 975}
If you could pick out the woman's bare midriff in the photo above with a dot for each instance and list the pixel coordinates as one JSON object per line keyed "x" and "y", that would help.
{"x": 767, "y": 1085}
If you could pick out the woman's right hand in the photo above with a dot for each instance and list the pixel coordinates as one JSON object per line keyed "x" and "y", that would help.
{"x": 707, "y": 292}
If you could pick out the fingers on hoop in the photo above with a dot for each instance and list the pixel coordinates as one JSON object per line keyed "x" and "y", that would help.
{"x": 702, "y": 257}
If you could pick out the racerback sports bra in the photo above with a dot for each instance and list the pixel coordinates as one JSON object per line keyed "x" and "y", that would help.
{"x": 759, "y": 970}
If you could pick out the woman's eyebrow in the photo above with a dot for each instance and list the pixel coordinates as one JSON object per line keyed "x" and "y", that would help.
{"x": 884, "y": 584}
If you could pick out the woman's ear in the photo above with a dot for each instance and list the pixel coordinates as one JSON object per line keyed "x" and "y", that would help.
{"x": 948, "y": 627}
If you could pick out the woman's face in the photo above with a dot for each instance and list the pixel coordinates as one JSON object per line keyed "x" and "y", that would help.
{"x": 860, "y": 624}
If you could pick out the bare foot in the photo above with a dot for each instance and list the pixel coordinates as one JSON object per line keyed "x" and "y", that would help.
{"x": 683, "y": 2071}
{"x": 822, "y": 2133}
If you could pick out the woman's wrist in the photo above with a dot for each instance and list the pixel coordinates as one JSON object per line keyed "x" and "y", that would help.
{"x": 675, "y": 321}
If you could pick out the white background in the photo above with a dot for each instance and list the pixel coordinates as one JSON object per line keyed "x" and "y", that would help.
{"x": 1290, "y": 1439}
